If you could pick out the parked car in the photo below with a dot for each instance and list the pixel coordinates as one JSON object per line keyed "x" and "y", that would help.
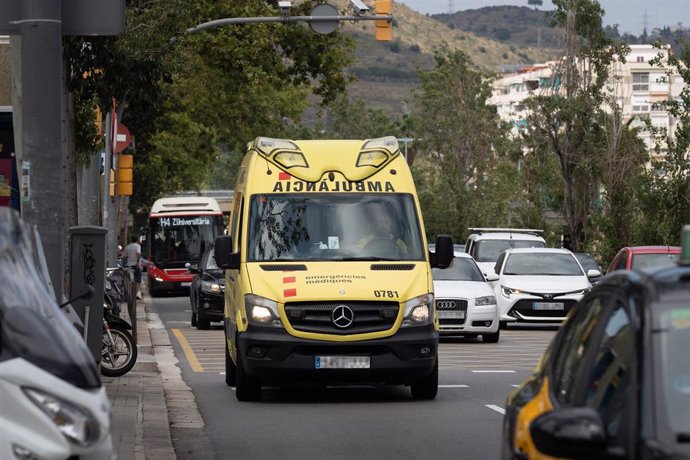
{"x": 52, "y": 401}
{"x": 615, "y": 381}
{"x": 643, "y": 257}
{"x": 486, "y": 244}
{"x": 456, "y": 247}
{"x": 589, "y": 263}
{"x": 539, "y": 284}
{"x": 207, "y": 291}
{"x": 465, "y": 302}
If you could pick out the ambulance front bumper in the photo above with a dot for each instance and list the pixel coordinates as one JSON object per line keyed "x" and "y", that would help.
{"x": 275, "y": 357}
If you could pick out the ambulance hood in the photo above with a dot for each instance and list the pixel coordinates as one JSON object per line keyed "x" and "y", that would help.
{"x": 324, "y": 281}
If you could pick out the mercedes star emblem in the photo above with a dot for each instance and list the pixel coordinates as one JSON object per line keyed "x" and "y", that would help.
{"x": 343, "y": 316}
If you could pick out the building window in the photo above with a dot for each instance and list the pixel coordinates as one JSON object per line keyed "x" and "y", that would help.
{"x": 640, "y": 108}
{"x": 640, "y": 81}
{"x": 640, "y": 58}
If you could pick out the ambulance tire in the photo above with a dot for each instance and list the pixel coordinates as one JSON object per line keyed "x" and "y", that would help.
{"x": 230, "y": 368}
{"x": 427, "y": 387}
{"x": 247, "y": 388}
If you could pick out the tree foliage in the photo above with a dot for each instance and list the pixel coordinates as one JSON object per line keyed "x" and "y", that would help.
{"x": 566, "y": 120}
{"x": 185, "y": 98}
{"x": 461, "y": 173}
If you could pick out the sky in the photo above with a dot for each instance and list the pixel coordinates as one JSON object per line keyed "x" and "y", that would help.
{"x": 628, "y": 14}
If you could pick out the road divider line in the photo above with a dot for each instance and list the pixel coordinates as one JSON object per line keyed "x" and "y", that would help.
{"x": 494, "y": 371}
{"x": 454, "y": 386}
{"x": 188, "y": 352}
{"x": 498, "y": 409}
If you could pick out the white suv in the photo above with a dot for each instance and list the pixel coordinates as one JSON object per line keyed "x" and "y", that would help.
{"x": 486, "y": 244}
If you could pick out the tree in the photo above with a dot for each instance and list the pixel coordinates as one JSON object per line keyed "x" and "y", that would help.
{"x": 566, "y": 119}
{"x": 460, "y": 145}
{"x": 666, "y": 191}
{"x": 535, "y": 3}
{"x": 222, "y": 87}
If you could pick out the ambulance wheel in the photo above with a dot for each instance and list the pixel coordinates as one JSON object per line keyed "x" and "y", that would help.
{"x": 247, "y": 388}
{"x": 230, "y": 368}
{"x": 426, "y": 387}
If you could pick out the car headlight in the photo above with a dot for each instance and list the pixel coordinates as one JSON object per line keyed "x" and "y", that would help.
{"x": 486, "y": 300}
{"x": 262, "y": 311}
{"x": 508, "y": 291}
{"x": 419, "y": 311}
{"x": 212, "y": 288}
{"x": 76, "y": 423}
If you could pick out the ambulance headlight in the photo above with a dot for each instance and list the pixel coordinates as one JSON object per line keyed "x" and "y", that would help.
{"x": 419, "y": 311}
{"x": 291, "y": 160}
{"x": 262, "y": 311}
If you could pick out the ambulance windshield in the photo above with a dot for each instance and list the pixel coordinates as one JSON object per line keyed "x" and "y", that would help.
{"x": 333, "y": 227}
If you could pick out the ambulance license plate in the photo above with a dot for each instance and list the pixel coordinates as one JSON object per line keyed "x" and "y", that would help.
{"x": 342, "y": 362}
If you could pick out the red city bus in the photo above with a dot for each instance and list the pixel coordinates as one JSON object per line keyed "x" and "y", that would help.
{"x": 180, "y": 230}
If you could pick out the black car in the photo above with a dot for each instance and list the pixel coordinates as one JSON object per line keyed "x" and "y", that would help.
{"x": 589, "y": 263}
{"x": 207, "y": 291}
{"x": 615, "y": 381}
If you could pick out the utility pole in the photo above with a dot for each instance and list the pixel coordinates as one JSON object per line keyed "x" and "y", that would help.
{"x": 41, "y": 68}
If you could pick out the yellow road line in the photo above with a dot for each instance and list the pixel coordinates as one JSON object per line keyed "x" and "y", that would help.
{"x": 189, "y": 353}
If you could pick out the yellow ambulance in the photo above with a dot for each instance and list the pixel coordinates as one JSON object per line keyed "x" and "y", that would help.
{"x": 327, "y": 271}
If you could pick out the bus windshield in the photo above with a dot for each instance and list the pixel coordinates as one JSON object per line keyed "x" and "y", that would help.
{"x": 333, "y": 227}
{"x": 174, "y": 241}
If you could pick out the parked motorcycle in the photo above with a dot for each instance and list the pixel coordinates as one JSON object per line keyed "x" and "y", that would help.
{"x": 119, "y": 353}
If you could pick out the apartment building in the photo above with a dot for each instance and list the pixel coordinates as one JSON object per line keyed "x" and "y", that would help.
{"x": 638, "y": 88}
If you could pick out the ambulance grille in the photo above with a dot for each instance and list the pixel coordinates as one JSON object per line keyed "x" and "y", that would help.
{"x": 393, "y": 267}
{"x": 283, "y": 268}
{"x": 318, "y": 317}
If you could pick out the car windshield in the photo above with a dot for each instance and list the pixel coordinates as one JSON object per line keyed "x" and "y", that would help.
{"x": 489, "y": 250}
{"x": 672, "y": 336}
{"x": 334, "y": 227}
{"x": 211, "y": 261}
{"x": 642, "y": 261}
{"x": 587, "y": 262}
{"x": 542, "y": 263}
{"x": 462, "y": 269}
{"x": 178, "y": 240}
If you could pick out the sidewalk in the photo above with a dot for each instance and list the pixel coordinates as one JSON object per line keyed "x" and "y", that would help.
{"x": 153, "y": 407}
{"x": 140, "y": 423}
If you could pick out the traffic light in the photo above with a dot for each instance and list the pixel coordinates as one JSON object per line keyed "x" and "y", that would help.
{"x": 123, "y": 182}
{"x": 384, "y": 28}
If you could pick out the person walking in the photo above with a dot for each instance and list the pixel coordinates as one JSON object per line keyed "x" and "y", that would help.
{"x": 132, "y": 255}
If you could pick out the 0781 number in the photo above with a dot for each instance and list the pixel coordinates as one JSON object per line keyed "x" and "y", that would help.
{"x": 389, "y": 294}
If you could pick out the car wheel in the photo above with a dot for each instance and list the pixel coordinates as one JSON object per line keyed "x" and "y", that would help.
{"x": 503, "y": 325}
{"x": 230, "y": 368}
{"x": 193, "y": 317}
{"x": 492, "y": 338}
{"x": 426, "y": 387}
{"x": 247, "y": 388}
{"x": 202, "y": 323}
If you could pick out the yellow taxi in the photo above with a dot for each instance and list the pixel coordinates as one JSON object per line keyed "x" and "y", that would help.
{"x": 615, "y": 381}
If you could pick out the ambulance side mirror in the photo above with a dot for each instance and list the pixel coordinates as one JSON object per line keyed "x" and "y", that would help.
{"x": 443, "y": 255}
{"x": 222, "y": 252}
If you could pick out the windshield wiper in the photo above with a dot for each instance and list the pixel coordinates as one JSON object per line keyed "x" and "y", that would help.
{"x": 367, "y": 258}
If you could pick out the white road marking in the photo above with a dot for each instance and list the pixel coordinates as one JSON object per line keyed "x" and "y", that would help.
{"x": 515, "y": 386}
{"x": 178, "y": 322}
{"x": 498, "y": 409}
{"x": 454, "y": 386}
{"x": 497, "y": 371}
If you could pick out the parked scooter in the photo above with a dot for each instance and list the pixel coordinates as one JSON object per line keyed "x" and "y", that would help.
{"x": 119, "y": 353}
{"x": 53, "y": 404}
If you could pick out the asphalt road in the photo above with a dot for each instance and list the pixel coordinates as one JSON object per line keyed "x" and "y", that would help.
{"x": 463, "y": 422}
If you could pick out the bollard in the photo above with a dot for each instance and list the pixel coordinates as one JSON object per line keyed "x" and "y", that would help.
{"x": 87, "y": 267}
